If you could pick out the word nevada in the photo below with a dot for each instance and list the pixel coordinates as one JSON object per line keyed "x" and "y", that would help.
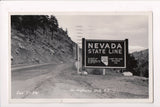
{"x": 103, "y": 48}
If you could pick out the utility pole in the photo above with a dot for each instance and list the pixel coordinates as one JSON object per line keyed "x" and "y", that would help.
{"x": 79, "y": 42}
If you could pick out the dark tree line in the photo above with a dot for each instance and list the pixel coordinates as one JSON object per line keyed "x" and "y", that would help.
{"x": 132, "y": 64}
{"x": 33, "y": 22}
{"x": 137, "y": 67}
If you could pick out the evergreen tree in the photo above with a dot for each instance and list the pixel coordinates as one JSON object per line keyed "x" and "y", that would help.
{"x": 53, "y": 24}
{"x": 132, "y": 64}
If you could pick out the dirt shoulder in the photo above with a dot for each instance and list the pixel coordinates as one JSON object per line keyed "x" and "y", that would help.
{"x": 62, "y": 81}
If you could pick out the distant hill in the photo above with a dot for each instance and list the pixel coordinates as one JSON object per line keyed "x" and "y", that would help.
{"x": 142, "y": 59}
{"x": 38, "y": 39}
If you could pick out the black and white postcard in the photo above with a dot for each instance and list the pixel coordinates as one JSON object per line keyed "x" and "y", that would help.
{"x": 81, "y": 57}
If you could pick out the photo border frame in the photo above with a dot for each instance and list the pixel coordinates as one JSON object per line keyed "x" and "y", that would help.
{"x": 150, "y": 46}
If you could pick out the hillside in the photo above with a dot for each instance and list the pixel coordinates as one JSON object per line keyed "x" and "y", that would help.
{"x": 142, "y": 59}
{"x": 38, "y": 39}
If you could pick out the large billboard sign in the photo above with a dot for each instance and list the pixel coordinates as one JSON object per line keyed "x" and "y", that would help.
{"x": 104, "y": 53}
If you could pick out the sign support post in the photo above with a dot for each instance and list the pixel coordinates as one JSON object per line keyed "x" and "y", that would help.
{"x": 104, "y": 71}
{"x": 127, "y": 56}
{"x": 83, "y": 53}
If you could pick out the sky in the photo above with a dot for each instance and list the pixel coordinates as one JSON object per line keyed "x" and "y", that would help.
{"x": 108, "y": 27}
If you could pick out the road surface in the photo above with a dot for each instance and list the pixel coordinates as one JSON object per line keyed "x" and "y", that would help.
{"x": 61, "y": 81}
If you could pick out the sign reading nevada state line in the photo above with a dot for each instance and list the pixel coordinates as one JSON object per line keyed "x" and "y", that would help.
{"x": 104, "y": 53}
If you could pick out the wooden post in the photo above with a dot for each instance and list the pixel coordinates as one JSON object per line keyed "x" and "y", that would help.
{"x": 127, "y": 55}
{"x": 76, "y": 52}
{"x": 83, "y": 52}
{"x": 104, "y": 71}
{"x": 77, "y": 58}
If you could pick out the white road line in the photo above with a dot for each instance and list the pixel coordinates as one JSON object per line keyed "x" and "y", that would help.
{"x": 30, "y": 66}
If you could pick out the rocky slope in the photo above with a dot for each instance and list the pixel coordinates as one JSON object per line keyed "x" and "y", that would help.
{"x": 36, "y": 39}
